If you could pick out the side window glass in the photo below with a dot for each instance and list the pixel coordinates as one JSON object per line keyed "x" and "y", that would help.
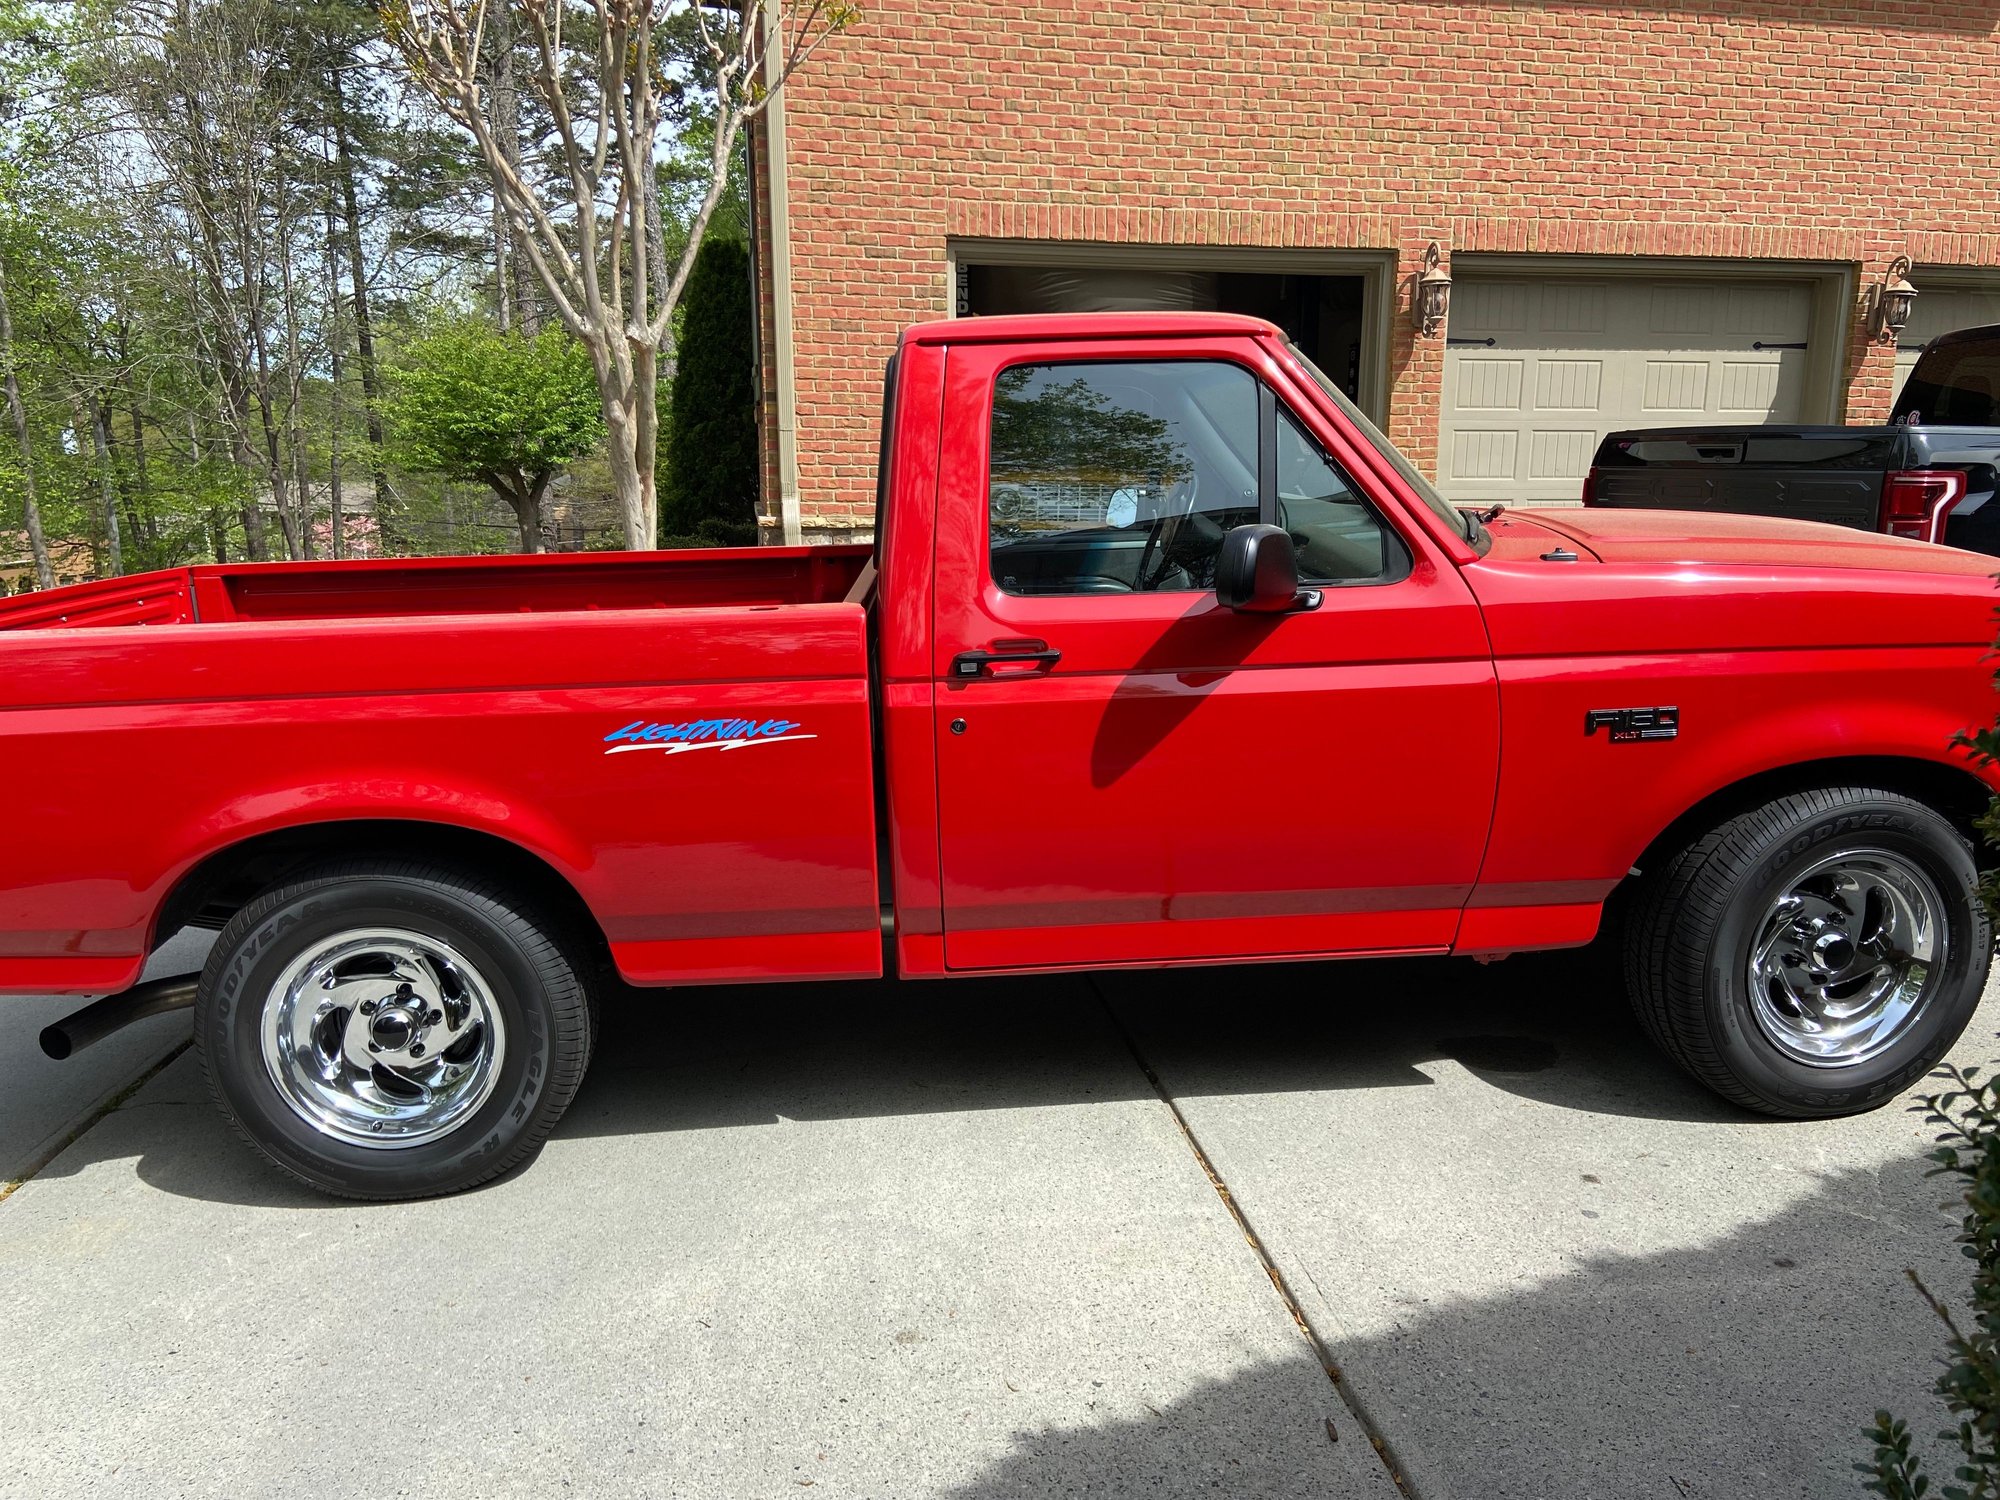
{"x": 1119, "y": 477}
{"x": 1338, "y": 535}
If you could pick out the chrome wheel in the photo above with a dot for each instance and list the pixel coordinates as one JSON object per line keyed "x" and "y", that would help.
{"x": 1844, "y": 961}
{"x": 382, "y": 1037}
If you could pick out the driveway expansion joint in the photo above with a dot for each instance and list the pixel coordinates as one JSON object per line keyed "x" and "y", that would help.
{"x": 1348, "y": 1397}
{"x": 118, "y": 1100}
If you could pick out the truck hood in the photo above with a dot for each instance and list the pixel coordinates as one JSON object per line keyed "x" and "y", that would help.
{"x": 1697, "y": 538}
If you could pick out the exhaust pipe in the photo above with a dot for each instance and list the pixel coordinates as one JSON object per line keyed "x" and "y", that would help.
{"x": 100, "y": 1018}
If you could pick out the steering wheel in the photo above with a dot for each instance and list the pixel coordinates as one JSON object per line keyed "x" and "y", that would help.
{"x": 1163, "y": 537}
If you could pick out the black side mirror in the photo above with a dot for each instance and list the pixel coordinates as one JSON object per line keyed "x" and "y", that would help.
{"x": 1258, "y": 572}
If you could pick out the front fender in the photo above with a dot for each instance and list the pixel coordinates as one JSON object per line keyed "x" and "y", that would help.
{"x": 1576, "y": 809}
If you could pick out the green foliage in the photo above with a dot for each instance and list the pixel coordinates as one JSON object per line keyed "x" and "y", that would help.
{"x": 1897, "y": 1474}
{"x": 711, "y": 447}
{"x": 469, "y": 402}
{"x": 713, "y": 533}
{"x": 1985, "y": 747}
{"x": 1041, "y": 433}
{"x": 1968, "y": 1148}
{"x": 683, "y": 175}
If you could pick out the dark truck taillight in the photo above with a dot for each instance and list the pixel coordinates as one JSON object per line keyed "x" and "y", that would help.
{"x": 1590, "y": 486}
{"x": 1916, "y": 501}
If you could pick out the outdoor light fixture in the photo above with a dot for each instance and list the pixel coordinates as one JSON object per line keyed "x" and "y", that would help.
{"x": 1893, "y": 300}
{"x": 1430, "y": 297}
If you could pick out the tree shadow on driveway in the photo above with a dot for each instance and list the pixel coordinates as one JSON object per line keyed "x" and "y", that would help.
{"x": 1746, "y": 1367}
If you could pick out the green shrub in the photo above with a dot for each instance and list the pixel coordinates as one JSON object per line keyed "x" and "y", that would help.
{"x": 711, "y": 449}
{"x": 1969, "y": 1149}
{"x": 714, "y": 533}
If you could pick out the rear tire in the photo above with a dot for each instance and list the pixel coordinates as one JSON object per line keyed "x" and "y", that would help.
{"x": 392, "y": 1029}
{"x": 1814, "y": 956}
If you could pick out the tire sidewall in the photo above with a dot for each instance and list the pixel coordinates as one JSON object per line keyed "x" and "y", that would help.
{"x": 240, "y": 982}
{"x": 1889, "y": 824}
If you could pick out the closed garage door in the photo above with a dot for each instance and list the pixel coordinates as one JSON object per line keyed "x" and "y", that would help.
{"x": 1538, "y": 369}
{"x": 1942, "y": 310}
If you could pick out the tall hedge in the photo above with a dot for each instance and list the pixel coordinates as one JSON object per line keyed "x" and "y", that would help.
{"x": 712, "y": 418}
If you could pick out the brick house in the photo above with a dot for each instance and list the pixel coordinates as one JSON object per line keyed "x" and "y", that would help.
{"x": 1651, "y": 213}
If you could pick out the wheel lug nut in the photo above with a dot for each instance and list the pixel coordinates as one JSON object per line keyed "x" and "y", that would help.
{"x": 369, "y": 1007}
{"x": 433, "y": 1018}
{"x": 416, "y": 1049}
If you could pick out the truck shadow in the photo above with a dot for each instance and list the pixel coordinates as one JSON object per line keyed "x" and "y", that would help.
{"x": 1551, "y": 1028}
{"x": 1554, "y": 1029}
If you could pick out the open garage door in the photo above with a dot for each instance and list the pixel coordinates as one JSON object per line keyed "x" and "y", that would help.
{"x": 1539, "y": 368}
{"x": 1330, "y": 303}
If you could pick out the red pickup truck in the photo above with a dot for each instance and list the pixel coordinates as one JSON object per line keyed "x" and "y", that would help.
{"x": 1162, "y": 656}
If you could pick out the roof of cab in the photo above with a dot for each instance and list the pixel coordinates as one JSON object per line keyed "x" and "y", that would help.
{"x": 1980, "y": 334}
{"x": 1034, "y": 327}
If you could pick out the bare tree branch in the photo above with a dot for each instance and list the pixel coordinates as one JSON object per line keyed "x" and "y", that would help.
{"x": 590, "y": 233}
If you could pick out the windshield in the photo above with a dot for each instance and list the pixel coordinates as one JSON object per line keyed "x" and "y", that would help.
{"x": 1456, "y": 519}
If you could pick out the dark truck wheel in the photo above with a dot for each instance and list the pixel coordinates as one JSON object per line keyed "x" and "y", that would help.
{"x": 1814, "y": 956}
{"x": 391, "y": 1029}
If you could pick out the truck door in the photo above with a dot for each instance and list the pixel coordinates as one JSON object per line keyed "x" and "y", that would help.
{"x": 1128, "y": 771}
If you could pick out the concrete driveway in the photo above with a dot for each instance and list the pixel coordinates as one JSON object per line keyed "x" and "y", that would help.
{"x": 963, "y": 1241}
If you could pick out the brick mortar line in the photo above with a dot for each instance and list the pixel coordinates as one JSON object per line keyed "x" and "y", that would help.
{"x": 1384, "y": 1450}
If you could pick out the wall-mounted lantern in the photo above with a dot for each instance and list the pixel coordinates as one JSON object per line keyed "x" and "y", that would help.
{"x": 1894, "y": 299}
{"x": 1430, "y": 295}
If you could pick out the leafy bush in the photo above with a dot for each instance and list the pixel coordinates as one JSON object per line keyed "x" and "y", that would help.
{"x": 711, "y": 450}
{"x": 1968, "y": 1148}
{"x": 470, "y": 402}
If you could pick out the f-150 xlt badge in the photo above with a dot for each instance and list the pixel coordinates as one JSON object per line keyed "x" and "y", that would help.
{"x": 1628, "y": 724}
{"x": 702, "y": 734}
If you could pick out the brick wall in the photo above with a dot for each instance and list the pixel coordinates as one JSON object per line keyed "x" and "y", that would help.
{"x": 1758, "y": 129}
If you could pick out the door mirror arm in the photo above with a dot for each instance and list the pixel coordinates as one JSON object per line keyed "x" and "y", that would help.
{"x": 1257, "y": 572}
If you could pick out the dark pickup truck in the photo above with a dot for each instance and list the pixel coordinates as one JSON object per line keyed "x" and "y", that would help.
{"x": 1929, "y": 474}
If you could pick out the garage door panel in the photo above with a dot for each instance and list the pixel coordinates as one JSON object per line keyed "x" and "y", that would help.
{"x": 1485, "y": 454}
{"x": 1539, "y": 369}
{"x": 1675, "y": 387}
{"x": 1682, "y": 310}
{"x": 1573, "y": 308}
{"x": 1561, "y": 455}
{"x": 1754, "y": 389}
{"x": 1491, "y": 385}
{"x": 1491, "y": 306}
{"x": 1771, "y": 313}
{"x": 1569, "y": 384}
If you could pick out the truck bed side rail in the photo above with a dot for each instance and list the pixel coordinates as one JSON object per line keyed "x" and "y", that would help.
{"x": 165, "y": 598}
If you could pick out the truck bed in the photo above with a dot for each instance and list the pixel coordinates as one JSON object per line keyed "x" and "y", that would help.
{"x": 485, "y": 708}
{"x": 1831, "y": 474}
{"x": 420, "y": 586}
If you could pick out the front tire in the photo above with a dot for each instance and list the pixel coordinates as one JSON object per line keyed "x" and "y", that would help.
{"x": 1814, "y": 956}
{"x": 391, "y": 1029}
